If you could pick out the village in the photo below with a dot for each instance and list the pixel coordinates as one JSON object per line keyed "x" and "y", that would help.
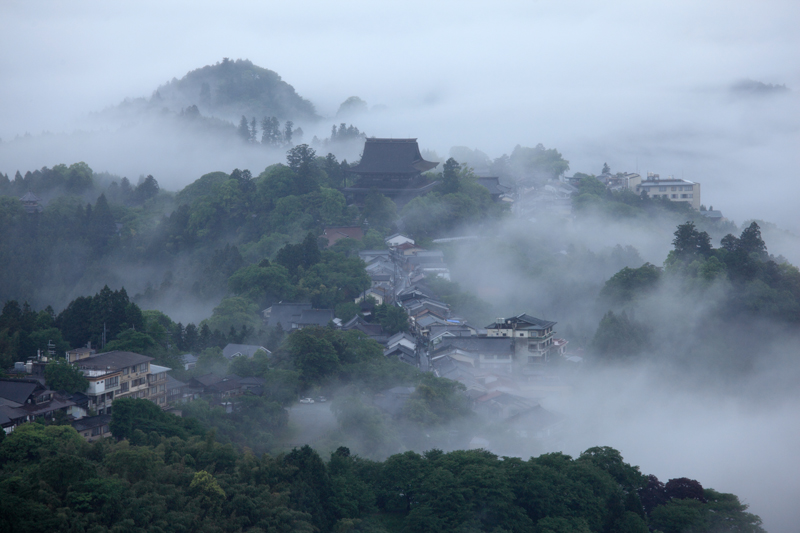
{"x": 507, "y": 367}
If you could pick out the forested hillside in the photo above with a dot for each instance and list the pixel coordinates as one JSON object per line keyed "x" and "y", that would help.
{"x": 168, "y": 475}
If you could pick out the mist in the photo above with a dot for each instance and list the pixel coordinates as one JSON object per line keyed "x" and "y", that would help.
{"x": 640, "y": 87}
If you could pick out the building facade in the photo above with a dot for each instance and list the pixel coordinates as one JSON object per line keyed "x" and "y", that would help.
{"x": 672, "y": 189}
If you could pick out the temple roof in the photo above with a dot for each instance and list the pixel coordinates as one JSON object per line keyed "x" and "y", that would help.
{"x": 392, "y": 156}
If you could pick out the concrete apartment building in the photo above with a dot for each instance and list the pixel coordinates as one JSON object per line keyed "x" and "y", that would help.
{"x": 675, "y": 190}
{"x": 120, "y": 374}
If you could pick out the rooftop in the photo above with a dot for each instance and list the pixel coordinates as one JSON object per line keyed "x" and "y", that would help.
{"x": 112, "y": 361}
{"x": 392, "y": 156}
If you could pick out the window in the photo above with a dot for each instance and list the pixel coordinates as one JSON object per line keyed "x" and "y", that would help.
{"x": 162, "y": 388}
{"x": 96, "y": 431}
{"x": 684, "y": 195}
{"x": 124, "y": 387}
{"x": 112, "y": 382}
{"x": 153, "y": 391}
{"x": 674, "y": 188}
{"x": 521, "y": 334}
{"x": 674, "y": 195}
{"x": 125, "y": 371}
{"x": 691, "y": 195}
{"x": 662, "y": 189}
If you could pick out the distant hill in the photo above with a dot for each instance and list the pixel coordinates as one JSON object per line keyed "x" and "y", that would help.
{"x": 226, "y": 90}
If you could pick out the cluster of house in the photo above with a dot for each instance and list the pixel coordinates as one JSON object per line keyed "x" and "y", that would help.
{"x": 113, "y": 375}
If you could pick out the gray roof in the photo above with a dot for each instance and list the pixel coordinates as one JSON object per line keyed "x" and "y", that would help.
{"x": 90, "y": 422}
{"x": 247, "y": 350}
{"x": 476, "y": 344}
{"x": 392, "y": 156}
{"x": 286, "y": 314}
{"x": 173, "y": 383}
{"x": 189, "y": 358}
{"x": 16, "y": 390}
{"x": 30, "y": 197}
{"x": 112, "y": 361}
{"x": 494, "y": 186}
{"x": 524, "y": 321}
{"x": 314, "y": 317}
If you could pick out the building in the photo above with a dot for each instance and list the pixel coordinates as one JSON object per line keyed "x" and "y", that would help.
{"x": 25, "y": 400}
{"x": 497, "y": 190}
{"x": 531, "y": 337}
{"x": 92, "y": 428}
{"x": 114, "y": 375}
{"x": 392, "y": 167}
{"x": 292, "y": 316}
{"x": 232, "y": 351}
{"x": 672, "y": 189}
{"x": 31, "y": 203}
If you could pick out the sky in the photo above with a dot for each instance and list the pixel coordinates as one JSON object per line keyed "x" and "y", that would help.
{"x": 643, "y": 86}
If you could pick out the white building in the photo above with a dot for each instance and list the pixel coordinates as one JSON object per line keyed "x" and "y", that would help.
{"x": 675, "y": 190}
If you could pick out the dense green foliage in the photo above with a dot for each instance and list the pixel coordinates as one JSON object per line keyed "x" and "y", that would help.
{"x": 459, "y": 200}
{"x": 51, "y": 479}
{"x": 738, "y": 284}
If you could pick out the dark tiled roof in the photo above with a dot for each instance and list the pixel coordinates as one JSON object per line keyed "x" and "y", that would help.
{"x": 493, "y": 184}
{"x": 173, "y": 383}
{"x": 90, "y": 422}
{"x": 315, "y": 317}
{"x": 16, "y": 390}
{"x": 392, "y": 156}
{"x": 286, "y": 314}
{"x": 476, "y": 344}
{"x": 524, "y": 321}
{"x": 113, "y": 360}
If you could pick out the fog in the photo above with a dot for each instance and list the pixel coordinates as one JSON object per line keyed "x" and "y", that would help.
{"x": 643, "y": 87}
{"x": 639, "y": 87}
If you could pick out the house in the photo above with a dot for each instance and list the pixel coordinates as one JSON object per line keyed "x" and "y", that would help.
{"x": 494, "y": 354}
{"x": 379, "y": 294}
{"x": 402, "y": 338}
{"x": 80, "y": 353}
{"x": 25, "y": 400}
{"x": 672, "y": 189}
{"x": 219, "y": 387}
{"x": 293, "y": 316}
{"x": 403, "y": 354}
{"x": 189, "y": 361}
{"x": 176, "y": 391}
{"x": 531, "y": 337}
{"x": 398, "y": 239}
{"x": 115, "y": 375}
{"x": 336, "y": 233}
{"x": 232, "y": 351}
{"x": 495, "y": 188}
{"x": 368, "y": 256}
{"x": 714, "y": 216}
{"x": 93, "y": 428}
{"x": 373, "y": 331}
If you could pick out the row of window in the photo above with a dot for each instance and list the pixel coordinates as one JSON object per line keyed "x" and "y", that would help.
{"x": 134, "y": 369}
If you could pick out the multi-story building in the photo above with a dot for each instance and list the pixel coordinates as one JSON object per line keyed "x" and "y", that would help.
{"x": 114, "y": 375}
{"x": 672, "y": 189}
{"x": 532, "y": 337}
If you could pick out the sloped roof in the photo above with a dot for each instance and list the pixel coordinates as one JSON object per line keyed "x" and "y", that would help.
{"x": 494, "y": 186}
{"x": 392, "y": 156}
{"x": 286, "y": 314}
{"x": 17, "y": 391}
{"x": 476, "y": 344}
{"x": 248, "y": 350}
{"x": 30, "y": 197}
{"x": 314, "y": 317}
{"x": 90, "y": 422}
{"x": 524, "y": 321}
{"x": 112, "y": 360}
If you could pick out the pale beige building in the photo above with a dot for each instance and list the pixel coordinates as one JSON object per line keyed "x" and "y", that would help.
{"x": 672, "y": 189}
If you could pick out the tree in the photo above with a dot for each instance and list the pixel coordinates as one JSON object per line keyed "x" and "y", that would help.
{"x": 618, "y": 336}
{"x": 606, "y": 169}
{"x": 450, "y": 176}
{"x": 392, "y": 318}
{"x": 287, "y": 132}
{"x": 61, "y": 375}
{"x": 302, "y": 160}
{"x": 244, "y": 129}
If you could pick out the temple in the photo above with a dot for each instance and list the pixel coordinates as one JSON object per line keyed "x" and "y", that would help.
{"x": 392, "y": 167}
